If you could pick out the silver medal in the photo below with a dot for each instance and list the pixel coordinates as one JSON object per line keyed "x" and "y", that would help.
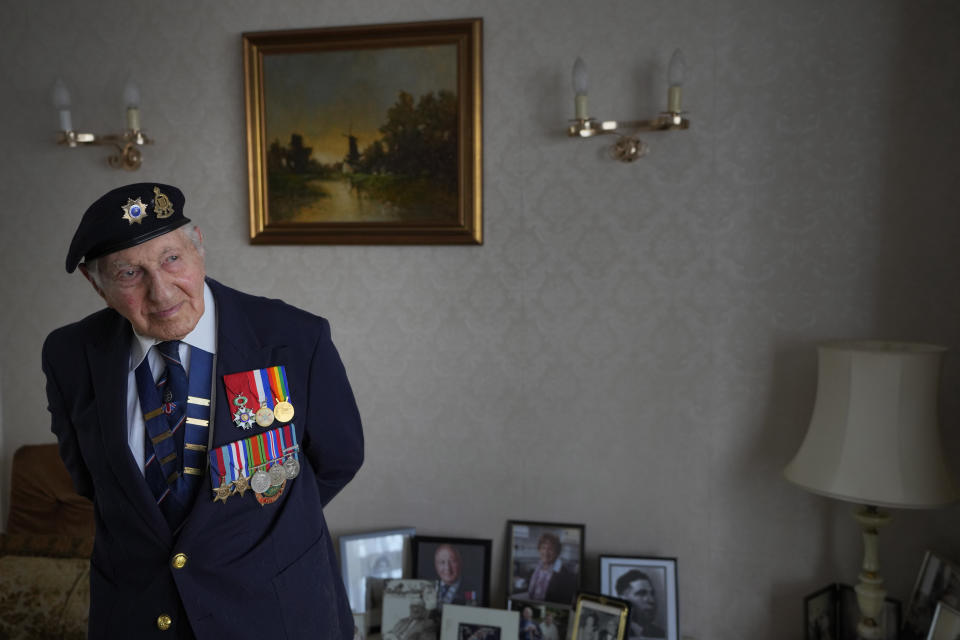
{"x": 260, "y": 481}
{"x": 292, "y": 468}
{"x": 277, "y": 475}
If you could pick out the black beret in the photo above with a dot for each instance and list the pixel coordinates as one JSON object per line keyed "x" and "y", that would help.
{"x": 125, "y": 217}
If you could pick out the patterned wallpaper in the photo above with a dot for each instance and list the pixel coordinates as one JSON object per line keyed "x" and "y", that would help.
{"x": 632, "y": 347}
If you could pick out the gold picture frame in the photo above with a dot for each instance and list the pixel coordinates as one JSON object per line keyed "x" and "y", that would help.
{"x": 599, "y": 616}
{"x": 365, "y": 134}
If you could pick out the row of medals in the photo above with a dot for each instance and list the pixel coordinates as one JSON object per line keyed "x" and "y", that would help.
{"x": 264, "y": 417}
{"x": 263, "y": 479}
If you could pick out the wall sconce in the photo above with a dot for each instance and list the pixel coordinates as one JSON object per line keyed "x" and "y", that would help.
{"x": 628, "y": 148}
{"x": 127, "y": 144}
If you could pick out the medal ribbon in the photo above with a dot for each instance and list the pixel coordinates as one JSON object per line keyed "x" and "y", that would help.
{"x": 240, "y": 384}
{"x": 240, "y": 458}
{"x": 262, "y": 384}
{"x": 278, "y": 383}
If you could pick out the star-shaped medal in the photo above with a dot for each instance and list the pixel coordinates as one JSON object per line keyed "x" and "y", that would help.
{"x": 244, "y": 418}
{"x": 134, "y": 211}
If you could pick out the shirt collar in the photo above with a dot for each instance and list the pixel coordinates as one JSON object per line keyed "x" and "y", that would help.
{"x": 203, "y": 336}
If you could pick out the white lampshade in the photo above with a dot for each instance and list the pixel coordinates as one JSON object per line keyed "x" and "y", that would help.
{"x": 874, "y": 437}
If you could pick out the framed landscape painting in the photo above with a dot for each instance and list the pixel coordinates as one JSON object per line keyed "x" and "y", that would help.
{"x": 365, "y": 134}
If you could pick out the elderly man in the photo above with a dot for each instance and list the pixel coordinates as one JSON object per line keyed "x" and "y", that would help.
{"x": 452, "y": 587}
{"x": 209, "y": 427}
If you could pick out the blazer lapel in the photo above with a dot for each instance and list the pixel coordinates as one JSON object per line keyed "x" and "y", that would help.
{"x": 109, "y": 364}
{"x": 238, "y": 349}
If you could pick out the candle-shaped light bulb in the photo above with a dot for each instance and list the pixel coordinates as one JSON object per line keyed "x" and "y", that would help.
{"x": 675, "y": 73}
{"x": 61, "y": 102}
{"x": 131, "y": 99}
{"x": 580, "y": 88}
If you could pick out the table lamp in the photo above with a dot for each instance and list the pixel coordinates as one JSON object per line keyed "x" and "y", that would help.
{"x": 874, "y": 440}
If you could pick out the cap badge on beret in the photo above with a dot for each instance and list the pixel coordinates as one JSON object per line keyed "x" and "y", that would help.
{"x": 134, "y": 211}
{"x": 161, "y": 204}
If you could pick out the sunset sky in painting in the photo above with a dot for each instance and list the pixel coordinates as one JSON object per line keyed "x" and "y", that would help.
{"x": 325, "y": 95}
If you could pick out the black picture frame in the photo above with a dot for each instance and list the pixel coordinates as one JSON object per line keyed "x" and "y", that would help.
{"x": 524, "y": 541}
{"x": 821, "y": 613}
{"x": 472, "y": 557}
{"x": 620, "y": 575}
{"x": 833, "y": 612}
{"x": 938, "y": 579}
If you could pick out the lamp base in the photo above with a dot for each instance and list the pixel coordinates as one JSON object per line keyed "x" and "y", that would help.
{"x": 870, "y": 591}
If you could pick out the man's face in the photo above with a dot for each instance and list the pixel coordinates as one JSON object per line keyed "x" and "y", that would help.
{"x": 447, "y": 563}
{"x": 548, "y": 553}
{"x": 157, "y": 285}
{"x": 643, "y": 600}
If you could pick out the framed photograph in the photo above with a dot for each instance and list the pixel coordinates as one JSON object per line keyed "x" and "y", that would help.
{"x": 599, "y": 617}
{"x": 460, "y": 567}
{"x": 649, "y": 584}
{"x": 367, "y": 559}
{"x": 541, "y": 620}
{"x": 939, "y": 579}
{"x": 544, "y": 561}
{"x": 410, "y": 610}
{"x": 461, "y": 622}
{"x": 946, "y": 623}
{"x": 820, "y": 613}
{"x": 848, "y": 615}
{"x": 365, "y": 134}
{"x": 832, "y": 612}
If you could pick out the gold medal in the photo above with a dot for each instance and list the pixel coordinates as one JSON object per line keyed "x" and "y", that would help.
{"x": 283, "y": 411}
{"x": 264, "y": 416}
{"x": 241, "y": 485}
{"x": 222, "y": 492}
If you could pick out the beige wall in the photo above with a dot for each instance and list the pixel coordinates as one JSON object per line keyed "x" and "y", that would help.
{"x": 632, "y": 346}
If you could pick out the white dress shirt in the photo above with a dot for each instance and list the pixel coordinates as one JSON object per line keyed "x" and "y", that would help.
{"x": 203, "y": 336}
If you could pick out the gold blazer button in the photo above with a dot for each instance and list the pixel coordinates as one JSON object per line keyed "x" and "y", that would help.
{"x": 180, "y": 561}
{"x": 164, "y": 621}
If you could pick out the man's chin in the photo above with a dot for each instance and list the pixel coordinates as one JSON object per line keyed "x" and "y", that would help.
{"x": 168, "y": 331}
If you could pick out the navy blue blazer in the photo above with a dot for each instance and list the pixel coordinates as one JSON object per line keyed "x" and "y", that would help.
{"x": 252, "y": 571}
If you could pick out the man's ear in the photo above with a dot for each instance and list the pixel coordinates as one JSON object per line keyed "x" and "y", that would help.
{"x": 91, "y": 280}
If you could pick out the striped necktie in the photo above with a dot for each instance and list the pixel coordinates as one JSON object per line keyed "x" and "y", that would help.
{"x": 164, "y": 411}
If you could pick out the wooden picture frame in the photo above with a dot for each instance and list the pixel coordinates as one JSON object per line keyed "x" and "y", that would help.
{"x": 649, "y": 584}
{"x": 599, "y": 617}
{"x": 365, "y": 134}
{"x": 529, "y": 544}
{"x": 459, "y": 566}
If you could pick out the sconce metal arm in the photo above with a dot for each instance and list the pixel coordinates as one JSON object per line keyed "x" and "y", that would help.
{"x": 127, "y": 145}
{"x": 628, "y": 148}
{"x": 588, "y": 127}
